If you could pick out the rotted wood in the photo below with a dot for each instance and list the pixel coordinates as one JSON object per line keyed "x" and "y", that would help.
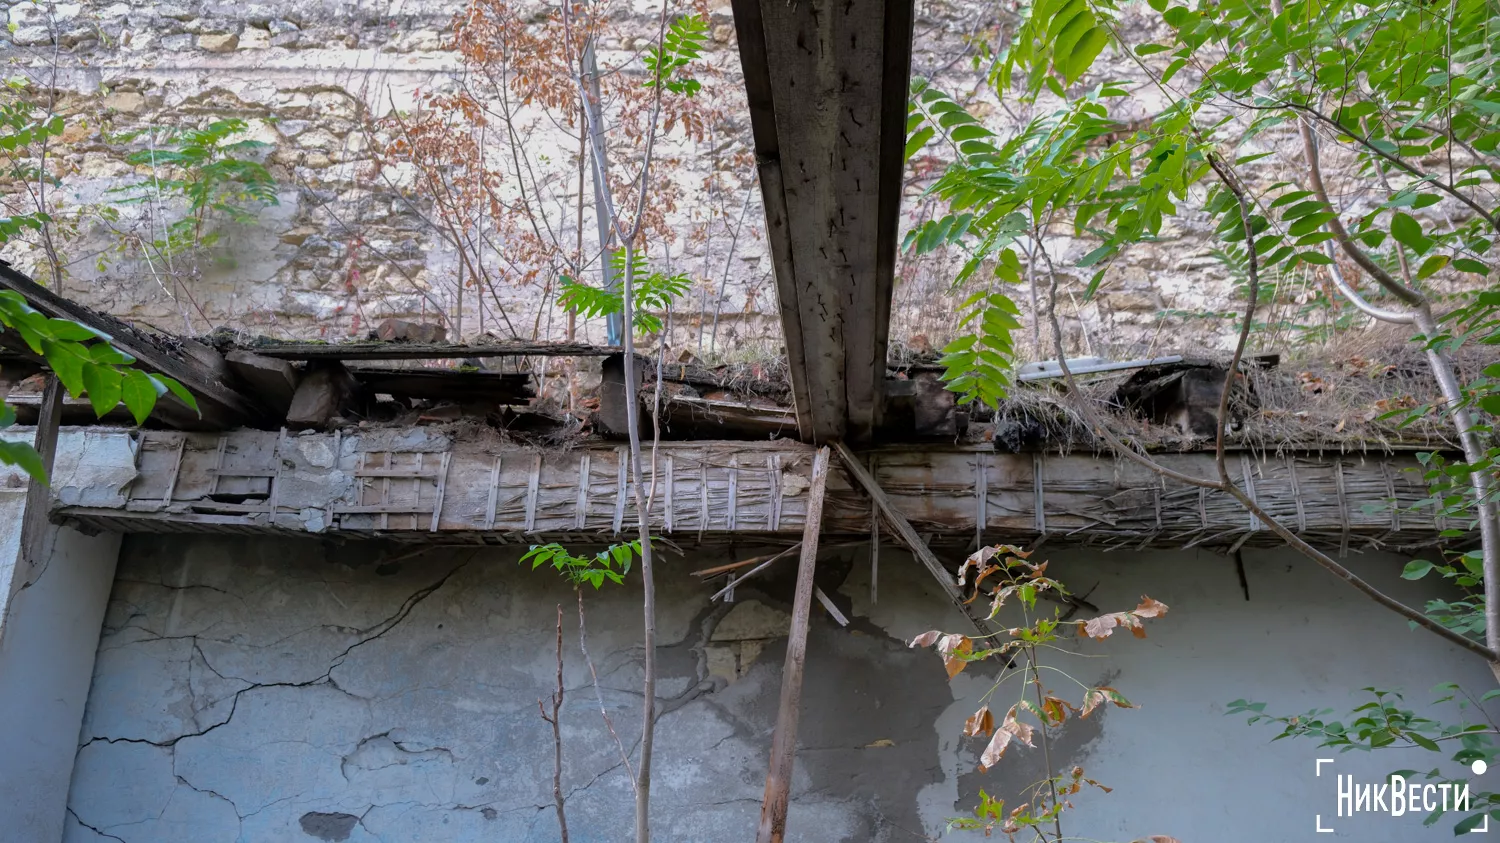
{"x": 827, "y": 88}
{"x": 784, "y": 739}
{"x": 273, "y": 381}
{"x": 449, "y": 384}
{"x": 326, "y": 391}
{"x": 197, "y": 367}
{"x": 613, "y": 417}
{"x": 684, "y": 416}
{"x": 34, "y": 521}
{"x": 76, "y": 412}
{"x": 496, "y": 492}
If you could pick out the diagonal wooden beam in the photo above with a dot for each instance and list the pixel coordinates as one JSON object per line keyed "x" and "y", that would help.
{"x": 908, "y": 535}
{"x": 196, "y": 366}
{"x": 784, "y": 740}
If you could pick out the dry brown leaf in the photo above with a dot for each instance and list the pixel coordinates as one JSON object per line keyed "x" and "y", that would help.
{"x": 926, "y": 639}
{"x": 953, "y": 647}
{"x": 1150, "y": 608}
{"x": 980, "y": 722}
{"x": 1056, "y": 710}
{"x": 1021, "y": 729}
{"x": 883, "y": 743}
{"x": 1101, "y": 627}
{"x": 995, "y": 750}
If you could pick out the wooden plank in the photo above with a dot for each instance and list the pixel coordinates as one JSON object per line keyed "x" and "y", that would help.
{"x": 375, "y": 350}
{"x": 489, "y": 509}
{"x": 533, "y": 484}
{"x": 437, "y": 497}
{"x": 622, "y": 463}
{"x": 702, "y": 418}
{"x": 895, "y": 92}
{"x": 197, "y": 367}
{"x": 34, "y": 521}
{"x": 274, "y": 382}
{"x": 908, "y": 535}
{"x": 784, "y": 740}
{"x": 581, "y": 513}
{"x": 828, "y": 604}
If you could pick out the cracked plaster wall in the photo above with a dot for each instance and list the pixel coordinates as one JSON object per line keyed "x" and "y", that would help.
{"x": 280, "y": 690}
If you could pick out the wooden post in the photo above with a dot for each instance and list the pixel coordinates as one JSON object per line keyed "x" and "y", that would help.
{"x": 39, "y": 491}
{"x": 784, "y": 739}
{"x": 908, "y": 534}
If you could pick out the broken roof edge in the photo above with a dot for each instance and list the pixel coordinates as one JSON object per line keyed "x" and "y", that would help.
{"x": 424, "y": 484}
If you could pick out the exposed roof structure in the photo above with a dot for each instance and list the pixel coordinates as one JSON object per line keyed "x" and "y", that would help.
{"x": 827, "y": 85}
{"x": 464, "y": 484}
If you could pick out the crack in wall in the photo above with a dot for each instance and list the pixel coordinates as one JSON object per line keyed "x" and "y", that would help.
{"x": 378, "y": 630}
{"x": 79, "y": 820}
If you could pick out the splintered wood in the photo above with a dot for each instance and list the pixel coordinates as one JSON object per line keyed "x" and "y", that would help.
{"x": 427, "y": 484}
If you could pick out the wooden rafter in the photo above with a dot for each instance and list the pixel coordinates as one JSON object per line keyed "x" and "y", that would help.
{"x": 827, "y": 86}
{"x": 374, "y": 350}
{"x": 196, "y": 366}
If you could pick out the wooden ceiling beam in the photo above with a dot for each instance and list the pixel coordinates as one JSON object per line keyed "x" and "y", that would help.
{"x": 827, "y": 87}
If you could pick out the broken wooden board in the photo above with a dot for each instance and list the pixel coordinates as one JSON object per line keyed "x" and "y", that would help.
{"x": 377, "y": 350}
{"x": 447, "y": 384}
{"x": 689, "y": 417}
{"x": 325, "y": 392}
{"x": 273, "y": 381}
{"x": 427, "y": 484}
{"x": 196, "y": 366}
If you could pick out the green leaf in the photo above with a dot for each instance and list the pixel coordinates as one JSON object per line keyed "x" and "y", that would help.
{"x": 179, "y": 391}
{"x": 1416, "y": 569}
{"x": 1424, "y": 742}
{"x": 1084, "y": 51}
{"x": 103, "y": 386}
{"x": 139, "y": 393}
{"x": 1432, "y": 265}
{"x": 1471, "y": 266}
{"x": 1093, "y": 286}
{"x": 23, "y": 456}
{"x": 64, "y": 329}
{"x": 66, "y": 360}
{"x": 1095, "y": 256}
{"x": 1406, "y": 230}
{"x": 919, "y": 140}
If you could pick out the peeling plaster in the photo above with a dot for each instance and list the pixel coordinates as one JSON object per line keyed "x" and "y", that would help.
{"x": 273, "y": 689}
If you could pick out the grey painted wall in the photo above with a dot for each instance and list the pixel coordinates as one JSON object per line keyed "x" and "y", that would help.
{"x": 280, "y": 690}
{"x": 47, "y": 651}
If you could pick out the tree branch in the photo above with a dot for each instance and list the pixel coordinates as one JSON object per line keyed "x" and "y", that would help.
{"x": 1224, "y": 484}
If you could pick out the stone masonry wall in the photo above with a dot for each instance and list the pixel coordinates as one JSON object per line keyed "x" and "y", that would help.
{"x": 349, "y": 244}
